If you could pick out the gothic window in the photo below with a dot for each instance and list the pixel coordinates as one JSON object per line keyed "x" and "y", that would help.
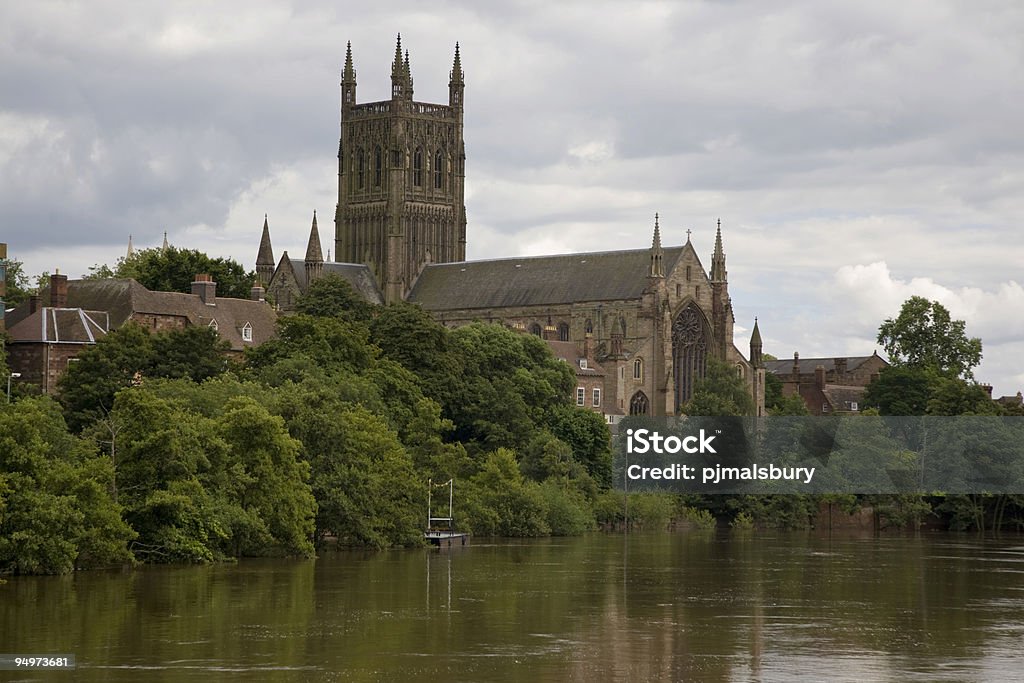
{"x": 690, "y": 341}
{"x": 377, "y": 166}
{"x": 438, "y": 171}
{"x": 535, "y": 329}
{"x": 638, "y": 369}
{"x": 417, "y": 167}
{"x": 639, "y": 405}
{"x": 361, "y": 170}
{"x": 563, "y": 332}
{"x": 588, "y": 327}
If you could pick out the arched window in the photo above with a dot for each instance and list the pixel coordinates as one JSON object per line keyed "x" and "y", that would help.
{"x": 588, "y": 327}
{"x": 638, "y": 369}
{"x": 563, "y": 332}
{"x": 417, "y": 167}
{"x": 438, "y": 170}
{"x": 639, "y": 405}
{"x": 377, "y": 166}
{"x": 535, "y": 329}
{"x": 691, "y": 337}
{"x": 361, "y": 170}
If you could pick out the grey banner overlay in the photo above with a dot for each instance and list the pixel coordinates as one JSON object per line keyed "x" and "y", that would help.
{"x": 854, "y": 454}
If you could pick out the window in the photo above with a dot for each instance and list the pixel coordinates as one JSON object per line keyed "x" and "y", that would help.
{"x": 563, "y": 332}
{"x": 597, "y": 398}
{"x": 438, "y": 171}
{"x": 581, "y": 395}
{"x": 853, "y": 406}
{"x": 824, "y": 407}
{"x": 638, "y": 369}
{"x": 377, "y": 163}
{"x": 639, "y": 405}
{"x": 417, "y": 167}
{"x": 535, "y": 329}
{"x": 688, "y": 273}
{"x": 214, "y": 325}
{"x": 247, "y": 332}
{"x": 588, "y": 327}
{"x": 679, "y": 291}
{"x": 696, "y": 292}
{"x": 583, "y": 363}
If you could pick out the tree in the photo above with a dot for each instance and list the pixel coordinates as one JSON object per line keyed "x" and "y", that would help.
{"x": 721, "y": 392}
{"x": 924, "y": 336}
{"x": 331, "y": 295}
{"x": 900, "y": 391}
{"x": 18, "y": 285}
{"x": 173, "y": 270}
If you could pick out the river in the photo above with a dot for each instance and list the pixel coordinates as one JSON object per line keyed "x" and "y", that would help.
{"x": 680, "y": 606}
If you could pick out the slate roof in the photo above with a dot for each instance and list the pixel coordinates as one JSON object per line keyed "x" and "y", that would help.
{"x": 808, "y": 365}
{"x": 842, "y": 397}
{"x": 566, "y": 351}
{"x": 121, "y": 299}
{"x": 537, "y": 280}
{"x": 61, "y": 325}
{"x": 357, "y": 275}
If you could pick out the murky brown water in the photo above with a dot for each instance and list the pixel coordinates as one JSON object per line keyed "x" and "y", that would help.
{"x": 602, "y": 607}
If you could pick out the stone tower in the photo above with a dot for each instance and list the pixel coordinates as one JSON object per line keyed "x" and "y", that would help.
{"x": 401, "y": 179}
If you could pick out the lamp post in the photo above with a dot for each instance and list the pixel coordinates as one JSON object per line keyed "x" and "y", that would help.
{"x": 13, "y": 375}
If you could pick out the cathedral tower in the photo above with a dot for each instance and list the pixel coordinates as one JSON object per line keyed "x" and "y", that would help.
{"x": 401, "y": 179}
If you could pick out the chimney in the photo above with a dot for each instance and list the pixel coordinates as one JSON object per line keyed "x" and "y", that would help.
{"x": 988, "y": 389}
{"x": 796, "y": 366}
{"x": 205, "y": 288}
{"x": 34, "y": 303}
{"x": 840, "y": 368}
{"x": 257, "y": 293}
{"x": 588, "y": 347}
{"x": 59, "y": 290}
{"x": 819, "y": 376}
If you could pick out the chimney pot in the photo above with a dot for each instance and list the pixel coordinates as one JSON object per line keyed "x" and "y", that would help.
{"x": 59, "y": 290}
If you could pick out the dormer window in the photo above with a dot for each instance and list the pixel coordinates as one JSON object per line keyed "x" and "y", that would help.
{"x": 214, "y": 325}
{"x": 583, "y": 363}
{"x": 247, "y": 332}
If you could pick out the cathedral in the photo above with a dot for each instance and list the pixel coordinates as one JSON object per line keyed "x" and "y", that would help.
{"x": 646, "y": 320}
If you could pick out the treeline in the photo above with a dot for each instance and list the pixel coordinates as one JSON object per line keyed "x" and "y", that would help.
{"x": 161, "y": 449}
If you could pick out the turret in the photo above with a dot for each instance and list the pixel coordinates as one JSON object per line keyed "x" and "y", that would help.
{"x": 401, "y": 78}
{"x": 265, "y": 256}
{"x": 755, "y": 346}
{"x": 718, "y": 272}
{"x": 314, "y": 255}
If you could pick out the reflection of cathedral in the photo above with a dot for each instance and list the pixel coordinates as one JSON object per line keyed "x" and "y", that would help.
{"x": 650, "y": 317}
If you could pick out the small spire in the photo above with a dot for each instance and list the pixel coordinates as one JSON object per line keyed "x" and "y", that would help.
{"x": 657, "y": 254}
{"x": 456, "y": 75}
{"x": 165, "y": 244}
{"x": 131, "y": 249}
{"x": 349, "y": 74}
{"x": 755, "y": 336}
{"x": 718, "y": 272}
{"x": 313, "y": 252}
{"x": 756, "y": 355}
{"x": 265, "y": 256}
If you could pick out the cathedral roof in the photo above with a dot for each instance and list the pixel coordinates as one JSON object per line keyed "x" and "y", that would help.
{"x": 357, "y": 275}
{"x": 537, "y": 280}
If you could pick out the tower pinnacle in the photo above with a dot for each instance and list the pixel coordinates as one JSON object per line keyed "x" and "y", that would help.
{"x": 718, "y": 272}
{"x": 657, "y": 254}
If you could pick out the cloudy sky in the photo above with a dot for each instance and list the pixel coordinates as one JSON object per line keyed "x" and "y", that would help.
{"x": 856, "y": 152}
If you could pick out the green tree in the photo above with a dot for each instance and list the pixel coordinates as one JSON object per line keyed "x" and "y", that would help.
{"x": 900, "y": 391}
{"x": 721, "y": 392}
{"x": 924, "y": 336}
{"x": 331, "y": 295}
{"x": 173, "y": 270}
{"x": 56, "y": 513}
{"x": 19, "y": 287}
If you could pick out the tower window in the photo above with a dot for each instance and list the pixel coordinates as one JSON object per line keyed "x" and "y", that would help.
{"x": 438, "y": 171}
{"x": 417, "y": 168}
{"x": 377, "y": 166}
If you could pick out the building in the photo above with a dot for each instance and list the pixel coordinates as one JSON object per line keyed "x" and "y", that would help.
{"x": 650, "y": 318}
{"x": 45, "y": 339}
{"x": 828, "y": 386}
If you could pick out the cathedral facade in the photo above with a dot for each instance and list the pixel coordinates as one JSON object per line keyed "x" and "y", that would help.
{"x": 651, "y": 317}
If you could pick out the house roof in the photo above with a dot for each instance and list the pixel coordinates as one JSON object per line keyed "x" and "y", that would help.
{"x": 537, "y": 280}
{"x": 841, "y": 397}
{"x": 61, "y": 325}
{"x": 566, "y": 350}
{"x": 120, "y": 299}
{"x": 808, "y": 365}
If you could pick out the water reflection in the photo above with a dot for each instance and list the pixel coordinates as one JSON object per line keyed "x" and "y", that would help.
{"x": 642, "y": 607}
